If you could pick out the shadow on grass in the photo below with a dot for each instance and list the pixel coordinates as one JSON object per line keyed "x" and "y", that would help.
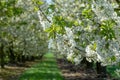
{"x": 45, "y": 70}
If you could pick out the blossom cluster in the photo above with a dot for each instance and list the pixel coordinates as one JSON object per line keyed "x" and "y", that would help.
{"x": 97, "y": 37}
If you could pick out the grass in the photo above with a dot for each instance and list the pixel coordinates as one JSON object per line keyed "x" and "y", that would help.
{"x": 111, "y": 70}
{"x": 47, "y": 69}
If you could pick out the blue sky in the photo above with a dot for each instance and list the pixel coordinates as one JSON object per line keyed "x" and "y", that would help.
{"x": 49, "y": 1}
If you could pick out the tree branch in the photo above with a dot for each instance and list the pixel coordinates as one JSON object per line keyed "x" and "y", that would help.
{"x": 44, "y": 15}
{"x": 80, "y": 49}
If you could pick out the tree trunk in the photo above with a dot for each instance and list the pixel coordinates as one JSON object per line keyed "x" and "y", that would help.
{"x": 41, "y": 56}
{"x": 27, "y": 58}
{"x": 32, "y": 58}
{"x": 2, "y": 61}
{"x": 101, "y": 70}
{"x": 88, "y": 65}
{"x": 23, "y": 58}
{"x": 18, "y": 58}
{"x": 11, "y": 55}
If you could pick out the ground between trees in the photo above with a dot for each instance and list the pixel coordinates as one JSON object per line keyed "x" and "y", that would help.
{"x": 48, "y": 68}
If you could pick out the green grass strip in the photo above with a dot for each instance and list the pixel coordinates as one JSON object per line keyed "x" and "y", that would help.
{"x": 47, "y": 69}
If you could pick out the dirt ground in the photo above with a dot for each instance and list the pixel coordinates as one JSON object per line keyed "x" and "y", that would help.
{"x": 13, "y": 71}
{"x": 72, "y": 72}
{"x": 69, "y": 71}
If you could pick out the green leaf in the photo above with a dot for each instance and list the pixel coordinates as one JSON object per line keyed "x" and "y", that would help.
{"x": 113, "y": 58}
{"x": 76, "y": 23}
{"x": 49, "y": 29}
{"x": 87, "y": 13}
{"x": 40, "y": 2}
{"x": 51, "y": 7}
{"x": 36, "y": 8}
{"x": 107, "y": 29}
{"x": 94, "y": 46}
{"x": 17, "y": 11}
{"x": 58, "y": 28}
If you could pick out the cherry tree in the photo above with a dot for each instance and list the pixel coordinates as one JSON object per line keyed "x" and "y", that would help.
{"x": 84, "y": 29}
{"x": 21, "y": 35}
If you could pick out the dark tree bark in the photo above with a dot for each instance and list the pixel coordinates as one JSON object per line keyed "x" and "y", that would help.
{"x": 19, "y": 58}
{"x": 2, "y": 55}
{"x": 32, "y": 58}
{"x": 41, "y": 56}
{"x": 101, "y": 70}
{"x": 89, "y": 65}
{"x": 27, "y": 58}
{"x": 11, "y": 55}
{"x": 23, "y": 58}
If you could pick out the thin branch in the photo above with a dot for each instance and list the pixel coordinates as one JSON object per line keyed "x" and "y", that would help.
{"x": 44, "y": 15}
{"x": 80, "y": 49}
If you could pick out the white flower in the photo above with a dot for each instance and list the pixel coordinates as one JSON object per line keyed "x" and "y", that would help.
{"x": 117, "y": 72}
{"x": 70, "y": 56}
{"x": 51, "y": 44}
